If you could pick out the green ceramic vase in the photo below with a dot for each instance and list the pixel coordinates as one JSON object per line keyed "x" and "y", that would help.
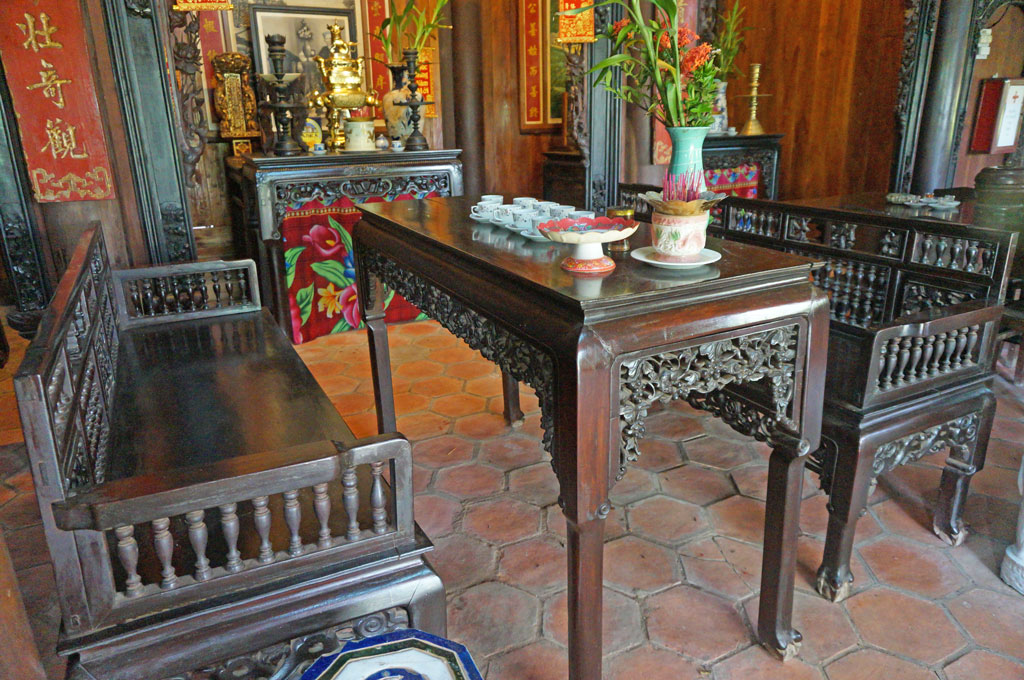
{"x": 684, "y": 177}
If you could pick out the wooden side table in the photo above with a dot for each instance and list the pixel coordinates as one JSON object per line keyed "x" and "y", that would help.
{"x": 744, "y": 339}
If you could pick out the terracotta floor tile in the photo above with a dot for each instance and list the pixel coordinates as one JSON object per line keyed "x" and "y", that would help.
{"x": 536, "y": 564}
{"x": 614, "y": 525}
{"x": 881, "y": 616}
{"x": 924, "y": 571}
{"x": 353, "y": 403}
{"x": 657, "y": 455}
{"x": 913, "y": 482}
{"x": 489, "y": 386}
{"x": 6, "y": 494}
{"x": 9, "y": 418}
{"x": 705, "y": 566}
{"x": 738, "y": 517}
{"x": 745, "y": 560}
{"x": 752, "y": 481}
{"x": 362, "y": 424}
{"x": 338, "y": 383}
{"x": 492, "y": 617}
{"x": 621, "y": 623}
{"x": 1011, "y": 430}
{"x": 825, "y": 626}
{"x": 418, "y": 369}
{"x": 647, "y": 663}
{"x": 695, "y": 623}
{"x": 696, "y": 484}
{"x": 470, "y": 481}
{"x": 536, "y": 484}
{"x": 436, "y": 387}
{"x": 470, "y": 370}
{"x": 982, "y": 665}
{"x": 511, "y": 452}
{"x": 434, "y": 514}
{"x": 456, "y": 356}
{"x": 1004, "y": 454}
{"x": 442, "y": 451}
{"x": 632, "y": 563}
{"x": 814, "y": 516}
{"x": 907, "y": 518}
{"x": 992, "y": 619}
{"x": 322, "y": 370}
{"x": 421, "y": 478}
{"x": 439, "y": 341}
{"x": 539, "y": 660}
{"x": 481, "y": 426}
{"x": 416, "y": 329}
{"x": 717, "y": 452}
{"x": 992, "y": 517}
{"x": 462, "y": 561}
{"x": 19, "y": 512}
{"x": 458, "y": 405}
{"x": 26, "y": 546}
{"x": 674, "y": 426}
{"x": 757, "y": 663}
{"x": 502, "y": 521}
{"x": 981, "y": 557}
{"x": 871, "y": 664}
{"x": 666, "y": 519}
{"x": 809, "y": 552}
{"x": 11, "y": 436}
{"x": 417, "y": 426}
{"x": 635, "y": 485}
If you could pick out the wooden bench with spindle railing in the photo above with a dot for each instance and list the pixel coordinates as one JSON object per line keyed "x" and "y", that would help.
{"x": 206, "y": 509}
{"x": 915, "y": 313}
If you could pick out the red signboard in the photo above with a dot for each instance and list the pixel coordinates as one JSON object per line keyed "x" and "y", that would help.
{"x": 380, "y": 77}
{"x": 47, "y": 66}
{"x": 533, "y": 23}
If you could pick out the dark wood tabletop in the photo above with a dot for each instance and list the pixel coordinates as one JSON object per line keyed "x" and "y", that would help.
{"x": 536, "y": 265}
{"x": 238, "y": 388}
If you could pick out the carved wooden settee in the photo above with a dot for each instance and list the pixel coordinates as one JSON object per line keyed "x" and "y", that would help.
{"x": 208, "y": 513}
{"x": 915, "y": 307}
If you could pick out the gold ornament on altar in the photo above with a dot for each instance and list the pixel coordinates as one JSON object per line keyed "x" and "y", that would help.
{"x": 233, "y": 98}
{"x": 202, "y": 6}
{"x": 575, "y": 28}
{"x": 753, "y": 126}
{"x": 342, "y": 74}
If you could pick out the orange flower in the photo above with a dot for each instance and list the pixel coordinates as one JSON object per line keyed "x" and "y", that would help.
{"x": 686, "y": 35}
{"x": 618, "y": 26}
{"x": 696, "y": 58}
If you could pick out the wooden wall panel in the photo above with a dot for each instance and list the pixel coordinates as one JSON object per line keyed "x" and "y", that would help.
{"x": 832, "y": 70}
{"x": 513, "y": 161}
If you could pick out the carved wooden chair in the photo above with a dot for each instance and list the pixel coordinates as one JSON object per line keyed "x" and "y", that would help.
{"x": 208, "y": 513}
{"x": 915, "y": 308}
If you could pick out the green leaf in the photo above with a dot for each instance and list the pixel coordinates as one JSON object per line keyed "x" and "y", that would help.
{"x": 421, "y": 317}
{"x": 388, "y": 298}
{"x": 291, "y": 256}
{"x": 304, "y": 299}
{"x": 614, "y": 60}
{"x": 341, "y": 327}
{"x": 333, "y": 271}
{"x": 346, "y": 237}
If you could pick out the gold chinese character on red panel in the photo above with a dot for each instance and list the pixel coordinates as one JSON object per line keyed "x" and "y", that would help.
{"x": 60, "y": 140}
{"x": 576, "y": 28}
{"x": 51, "y": 84}
{"x": 38, "y": 33}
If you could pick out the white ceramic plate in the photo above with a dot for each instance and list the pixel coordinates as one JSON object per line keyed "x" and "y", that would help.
{"x": 646, "y": 255}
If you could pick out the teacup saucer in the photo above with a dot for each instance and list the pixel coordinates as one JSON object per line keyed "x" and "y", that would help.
{"x": 647, "y": 255}
{"x": 533, "y": 235}
{"x": 480, "y": 218}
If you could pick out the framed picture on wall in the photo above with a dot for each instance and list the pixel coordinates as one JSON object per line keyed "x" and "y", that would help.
{"x": 306, "y": 36}
{"x": 541, "y": 67}
{"x": 1000, "y": 108}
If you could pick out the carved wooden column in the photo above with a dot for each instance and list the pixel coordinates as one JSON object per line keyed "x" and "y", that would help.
{"x": 468, "y": 91}
{"x": 951, "y": 66}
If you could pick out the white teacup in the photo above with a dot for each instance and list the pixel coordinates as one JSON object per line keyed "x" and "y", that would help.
{"x": 581, "y": 214}
{"x": 524, "y": 220}
{"x": 537, "y": 220}
{"x": 544, "y": 207}
{"x": 526, "y": 201}
{"x": 483, "y": 210}
{"x": 505, "y": 214}
{"x": 492, "y": 198}
{"x": 560, "y": 212}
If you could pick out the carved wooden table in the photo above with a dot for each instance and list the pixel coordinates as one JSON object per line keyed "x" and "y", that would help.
{"x": 744, "y": 339}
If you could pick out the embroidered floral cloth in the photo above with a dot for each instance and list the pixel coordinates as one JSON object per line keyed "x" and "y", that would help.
{"x": 739, "y": 181}
{"x": 320, "y": 272}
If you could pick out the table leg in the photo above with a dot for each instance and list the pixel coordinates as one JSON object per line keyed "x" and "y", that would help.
{"x": 586, "y": 573}
{"x": 371, "y": 306}
{"x": 282, "y": 312}
{"x": 781, "y": 524}
{"x": 510, "y": 392}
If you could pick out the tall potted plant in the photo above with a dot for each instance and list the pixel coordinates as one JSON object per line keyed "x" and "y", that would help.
{"x": 404, "y": 30}
{"x": 728, "y": 43}
{"x": 671, "y": 75}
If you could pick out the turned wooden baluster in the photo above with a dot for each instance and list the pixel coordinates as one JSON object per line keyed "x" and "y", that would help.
{"x": 261, "y": 518}
{"x": 147, "y": 298}
{"x": 161, "y": 295}
{"x": 200, "y": 295}
{"x": 133, "y": 295}
{"x": 322, "y": 508}
{"x": 128, "y": 554}
{"x": 164, "y": 545}
{"x": 891, "y": 350}
{"x": 292, "y": 520}
{"x": 904, "y": 359}
{"x": 197, "y": 536}
{"x": 954, "y": 258}
{"x": 229, "y": 527}
{"x": 215, "y": 277}
{"x": 915, "y": 359}
{"x": 972, "y": 256}
{"x": 948, "y": 354}
{"x": 940, "y": 252}
{"x": 350, "y": 497}
{"x": 958, "y": 352}
{"x": 229, "y": 287}
{"x": 972, "y": 342}
{"x": 380, "y": 513}
{"x": 940, "y": 350}
{"x": 174, "y": 296}
{"x": 926, "y": 250}
{"x": 243, "y": 285}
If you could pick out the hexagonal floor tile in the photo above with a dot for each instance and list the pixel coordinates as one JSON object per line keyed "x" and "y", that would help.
{"x": 658, "y": 455}
{"x": 738, "y": 517}
{"x": 696, "y": 484}
{"x": 502, "y": 520}
{"x": 921, "y": 570}
{"x": 636, "y": 484}
{"x": 705, "y": 567}
{"x": 982, "y": 665}
{"x": 442, "y": 451}
{"x": 882, "y": 616}
{"x": 462, "y": 561}
{"x": 666, "y": 519}
{"x": 825, "y": 627}
{"x": 632, "y": 563}
{"x": 481, "y": 426}
{"x": 621, "y": 622}
{"x": 871, "y": 664}
{"x": 436, "y": 387}
{"x": 536, "y": 484}
{"x": 470, "y": 481}
{"x": 435, "y": 514}
{"x": 536, "y": 564}
{"x": 614, "y": 525}
{"x": 511, "y": 452}
{"x": 757, "y": 663}
{"x": 695, "y": 623}
{"x": 717, "y": 452}
{"x": 541, "y": 660}
{"x": 418, "y": 426}
{"x": 992, "y": 619}
{"x": 647, "y": 662}
{"x": 493, "y": 617}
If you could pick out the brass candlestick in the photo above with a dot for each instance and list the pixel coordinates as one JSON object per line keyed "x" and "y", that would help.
{"x": 753, "y": 126}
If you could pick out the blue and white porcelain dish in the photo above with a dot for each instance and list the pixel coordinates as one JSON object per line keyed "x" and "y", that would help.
{"x": 402, "y": 655}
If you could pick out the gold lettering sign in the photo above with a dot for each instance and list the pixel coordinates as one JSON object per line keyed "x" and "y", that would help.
{"x": 51, "y": 84}
{"x": 576, "y": 28}
{"x": 201, "y": 6}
